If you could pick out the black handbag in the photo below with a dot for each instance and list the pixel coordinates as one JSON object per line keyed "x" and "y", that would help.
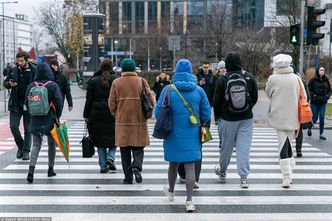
{"x": 163, "y": 125}
{"x": 88, "y": 149}
{"x": 146, "y": 104}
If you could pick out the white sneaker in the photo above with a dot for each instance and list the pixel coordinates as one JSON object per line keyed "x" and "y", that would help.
{"x": 222, "y": 176}
{"x": 244, "y": 183}
{"x": 169, "y": 195}
{"x": 196, "y": 185}
{"x": 286, "y": 182}
{"x": 190, "y": 207}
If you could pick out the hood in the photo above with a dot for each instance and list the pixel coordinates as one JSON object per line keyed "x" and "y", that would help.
{"x": 317, "y": 74}
{"x": 233, "y": 62}
{"x": 44, "y": 72}
{"x": 185, "y": 81}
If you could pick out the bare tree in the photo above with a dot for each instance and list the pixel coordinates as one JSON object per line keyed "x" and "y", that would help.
{"x": 37, "y": 39}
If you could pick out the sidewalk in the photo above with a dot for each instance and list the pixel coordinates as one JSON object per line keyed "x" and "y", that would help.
{"x": 78, "y": 95}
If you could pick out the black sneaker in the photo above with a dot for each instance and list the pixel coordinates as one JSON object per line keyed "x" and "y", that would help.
{"x": 138, "y": 175}
{"x": 309, "y": 132}
{"x": 125, "y": 181}
{"x": 25, "y": 156}
{"x": 299, "y": 154}
{"x": 111, "y": 165}
{"x": 105, "y": 170}
{"x": 321, "y": 137}
{"x": 51, "y": 172}
{"x": 19, "y": 154}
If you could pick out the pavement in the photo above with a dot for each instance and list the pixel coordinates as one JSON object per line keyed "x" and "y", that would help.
{"x": 78, "y": 95}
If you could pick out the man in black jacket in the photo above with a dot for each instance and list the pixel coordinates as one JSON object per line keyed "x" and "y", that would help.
{"x": 18, "y": 80}
{"x": 61, "y": 80}
{"x": 235, "y": 125}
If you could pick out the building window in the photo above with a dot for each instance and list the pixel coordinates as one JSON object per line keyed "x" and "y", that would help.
{"x": 139, "y": 17}
{"x": 165, "y": 10}
{"x": 284, "y": 7}
{"x": 126, "y": 11}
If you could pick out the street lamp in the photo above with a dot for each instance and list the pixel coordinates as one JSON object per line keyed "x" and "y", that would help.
{"x": 116, "y": 52}
{"x": 3, "y": 45}
{"x": 160, "y": 58}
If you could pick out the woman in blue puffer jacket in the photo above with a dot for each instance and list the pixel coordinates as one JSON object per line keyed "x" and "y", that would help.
{"x": 183, "y": 144}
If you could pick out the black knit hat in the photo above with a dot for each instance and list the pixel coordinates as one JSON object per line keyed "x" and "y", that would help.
{"x": 54, "y": 62}
{"x": 128, "y": 65}
{"x": 233, "y": 61}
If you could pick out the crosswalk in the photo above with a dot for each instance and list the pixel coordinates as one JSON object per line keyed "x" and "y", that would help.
{"x": 80, "y": 192}
{"x": 6, "y": 140}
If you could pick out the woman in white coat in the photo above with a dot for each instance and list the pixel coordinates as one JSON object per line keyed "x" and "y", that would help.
{"x": 283, "y": 91}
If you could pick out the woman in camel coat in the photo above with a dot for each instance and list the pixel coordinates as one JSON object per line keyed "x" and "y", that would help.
{"x": 131, "y": 128}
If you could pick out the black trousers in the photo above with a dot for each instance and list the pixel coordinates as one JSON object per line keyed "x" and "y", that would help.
{"x": 198, "y": 166}
{"x": 14, "y": 122}
{"x": 128, "y": 164}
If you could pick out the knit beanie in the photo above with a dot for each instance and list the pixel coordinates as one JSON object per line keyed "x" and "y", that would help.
{"x": 281, "y": 61}
{"x": 128, "y": 65}
{"x": 184, "y": 65}
{"x": 221, "y": 64}
{"x": 54, "y": 62}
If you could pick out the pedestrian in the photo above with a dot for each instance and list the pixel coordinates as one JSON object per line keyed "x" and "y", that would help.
{"x": 42, "y": 125}
{"x": 181, "y": 146}
{"x": 7, "y": 70}
{"x": 299, "y": 131}
{"x": 204, "y": 77}
{"x": 235, "y": 116}
{"x": 101, "y": 122}
{"x": 61, "y": 80}
{"x": 131, "y": 128}
{"x": 18, "y": 80}
{"x": 162, "y": 80}
{"x": 320, "y": 92}
{"x": 283, "y": 113}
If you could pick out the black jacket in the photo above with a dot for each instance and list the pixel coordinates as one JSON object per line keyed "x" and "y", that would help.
{"x": 208, "y": 79}
{"x": 17, "y": 95}
{"x": 320, "y": 89}
{"x": 61, "y": 79}
{"x": 158, "y": 87}
{"x": 101, "y": 121}
{"x": 233, "y": 64}
{"x": 44, "y": 124}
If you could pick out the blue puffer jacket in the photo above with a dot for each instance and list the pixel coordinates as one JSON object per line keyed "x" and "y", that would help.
{"x": 41, "y": 125}
{"x": 183, "y": 144}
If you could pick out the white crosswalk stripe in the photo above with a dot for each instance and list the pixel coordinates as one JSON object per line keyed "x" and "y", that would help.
{"x": 80, "y": 192}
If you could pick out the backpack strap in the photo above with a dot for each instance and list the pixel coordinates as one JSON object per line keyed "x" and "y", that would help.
{"x": 41, "y": 84}
{"x": 185, "y": 103}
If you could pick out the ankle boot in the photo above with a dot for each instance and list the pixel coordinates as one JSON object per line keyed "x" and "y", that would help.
{"x": 30, "y": 174}
{"x": 50, "y": 172}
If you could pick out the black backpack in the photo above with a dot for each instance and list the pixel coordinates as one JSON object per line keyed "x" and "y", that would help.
{"x": 236, "y": 94}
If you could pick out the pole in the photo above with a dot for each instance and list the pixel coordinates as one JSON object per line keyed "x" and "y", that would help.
{"x": 3, "y": 55}
{"x": 301, "y": 38}
{"x": 149, "y": 55}
{"x": 130, "y": 48}
{"x": 112, "y": 49}
{"x": 160, "y": 58}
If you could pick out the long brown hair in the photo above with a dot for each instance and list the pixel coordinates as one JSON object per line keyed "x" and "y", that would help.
{"x": 106, "y": 67}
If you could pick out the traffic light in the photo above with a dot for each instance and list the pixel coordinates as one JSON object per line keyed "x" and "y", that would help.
{"x": 294, "y": 34}
{"x": 313, "y": 37}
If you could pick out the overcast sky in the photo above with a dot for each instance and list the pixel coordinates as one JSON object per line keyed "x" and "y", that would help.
{"x": 27, "y": 7}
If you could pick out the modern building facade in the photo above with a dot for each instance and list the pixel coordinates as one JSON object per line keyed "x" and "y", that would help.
{"x": 17, "y": 33}
{"x": 154, "y": 31}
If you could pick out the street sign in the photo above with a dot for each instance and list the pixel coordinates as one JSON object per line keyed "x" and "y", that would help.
{"x": 174, "y": 42}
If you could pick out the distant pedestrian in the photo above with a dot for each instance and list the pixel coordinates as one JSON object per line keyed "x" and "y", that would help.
{"x": 101, "y": 122}
{"x": 162, "y": 80}
{"x": 7, "y": 70}
{"x": 61, "y": 80}
{"x": 235, "y": 95}
{"x": 182, "y": 146}
{"x": 131, "y": 128}
{"x": 283, "y": 113}
{"x": 299, "y": 132}
{"x": 204, "y": 77}
{"x": 320, "y": 92}
{"x": 42, "y": 125}
{"x": 18, "y": 80}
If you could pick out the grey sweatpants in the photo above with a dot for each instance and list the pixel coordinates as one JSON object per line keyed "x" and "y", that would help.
{"x": 237, "y": 133}
{"x": 36, "y": 146}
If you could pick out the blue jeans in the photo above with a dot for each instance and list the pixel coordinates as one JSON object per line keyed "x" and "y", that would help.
{"x": 105, "y": 154}
{"x": 318, "y": 109}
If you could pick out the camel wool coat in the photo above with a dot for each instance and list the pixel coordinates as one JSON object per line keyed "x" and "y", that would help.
{"x": 124, "y": 102}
